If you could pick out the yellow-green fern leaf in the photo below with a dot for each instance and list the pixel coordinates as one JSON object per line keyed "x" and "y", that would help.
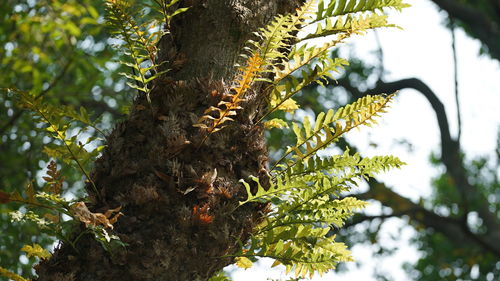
{"x": 329, "y": 127}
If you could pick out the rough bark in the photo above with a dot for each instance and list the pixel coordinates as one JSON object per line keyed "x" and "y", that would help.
{"x": 179, "y": 191}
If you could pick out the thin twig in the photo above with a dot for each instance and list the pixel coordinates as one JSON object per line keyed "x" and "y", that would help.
{"x": 380, "y": 54}
{"x": 455, "y": 74}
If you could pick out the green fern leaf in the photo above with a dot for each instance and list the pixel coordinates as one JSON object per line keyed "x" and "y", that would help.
{"x": 344, "y": 7}
{"x": 331, "y": 127}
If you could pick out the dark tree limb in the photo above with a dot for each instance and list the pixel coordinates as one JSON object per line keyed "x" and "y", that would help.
{"x": 479, "y": 23}
{"x": 454, "y": 228}
{"x": 450, "y": 149}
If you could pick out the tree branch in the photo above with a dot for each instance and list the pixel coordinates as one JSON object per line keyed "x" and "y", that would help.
{"x": 450, "y": 149}
{"x": 451, "y": 157}
{"x": 456, "y": 230}
{"x": 448, "y": 144}
{"x": 480, "y": 25}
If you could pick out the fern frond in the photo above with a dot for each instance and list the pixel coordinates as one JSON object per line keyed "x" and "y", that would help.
{"x": 275, "y": 123}
{"x": 280, "y": 34}
{"x": 305, "y": 191}
{"x": 351, "y": 16}
{"x": 140, "y": 42}
{"x": 58, "y": 120}
{"x": 339, "y": 164}
{"x": 344, "y": 7}
{"x": 164, "y": 7}
{"x": 287, "y": 85}
{"x": 263, "y": 195}
{"x": 228, "y": 107}
{"x": 329, "y": 127}
{"x": 302, "y": 248}
{"x": 350, "y": 24}
{"x": 295, "y": 232}
{"x": 11, "y": 275}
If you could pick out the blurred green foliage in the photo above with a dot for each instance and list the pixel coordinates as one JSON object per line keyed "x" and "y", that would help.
{"x": 58, "y": 50}
{"x": 441, "y": 258}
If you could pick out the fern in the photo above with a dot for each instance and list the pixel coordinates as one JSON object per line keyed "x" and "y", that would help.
{"x": 356, "y": 24}
{"x": 227, "y": 108}
{"x": 305, "y": 189}
{"x": 330, "y": 126}
{"x": 304, "y": 192}
{"x": 280, "y": 34}
{"x": 164, "y": 7}
{"x": 343, "y": 7}
{"x": 286, "y": 85}
{"x": 11, "y": 275}
{"x": 339, "y": 17}
{"x": 339, "y": 164}
{"x": 296, "y": 232}
{"x": 299, "y": 248}
{"x": 140, "y": 40}
{"x": 344, "y": 21}
{"x": 58, "y": 121}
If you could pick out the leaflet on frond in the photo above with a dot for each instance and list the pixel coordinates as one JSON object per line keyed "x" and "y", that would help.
{"x": 344, "y": 7}
{"x": 303, "y": 249}
{"x": 330, "y": 126}
{"x": 345, "y": 163}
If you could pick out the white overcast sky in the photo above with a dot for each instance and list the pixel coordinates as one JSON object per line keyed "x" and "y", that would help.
{"x": 421, "y": 50}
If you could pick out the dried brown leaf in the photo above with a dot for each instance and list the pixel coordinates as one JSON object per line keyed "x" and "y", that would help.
{"x": 83, "y": 214}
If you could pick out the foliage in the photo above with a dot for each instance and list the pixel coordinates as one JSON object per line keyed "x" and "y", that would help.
{"x": 36, "y": 251}
{"x": 461, "y": 260}
{"x": 443, "y": 257}
{"x": 58, "y": 53}
{"x": 140, "y": 40}
{"x": 219, "y": 277}
{"x": 228, "y": 108}
{"x": 50, "y": 207}
{"x": 282, "y": 51}
{"x": 49, "y": 52}
{"x": 304, "y": 209}
{"x": 58, "y": 121}
{"x": 304, "y": 192}
{"x": 304, "y": 189}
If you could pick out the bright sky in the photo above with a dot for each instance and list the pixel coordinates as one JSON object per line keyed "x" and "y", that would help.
{"x": 421, "y": 50}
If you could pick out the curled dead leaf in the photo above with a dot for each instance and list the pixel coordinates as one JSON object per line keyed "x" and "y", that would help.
{"x": 83, "y": 214}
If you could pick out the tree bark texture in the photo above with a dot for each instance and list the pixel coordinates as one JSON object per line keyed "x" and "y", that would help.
{"x": 179, "y": 190}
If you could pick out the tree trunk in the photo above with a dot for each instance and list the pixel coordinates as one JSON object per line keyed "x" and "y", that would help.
{"x": 179, "y": 188}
